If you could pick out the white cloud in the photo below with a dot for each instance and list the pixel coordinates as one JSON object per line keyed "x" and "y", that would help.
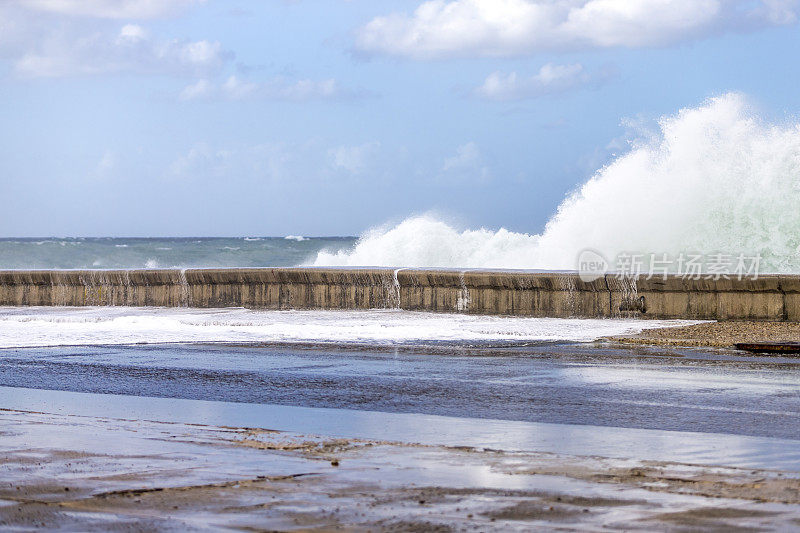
{"x": 439, "y": 28}
{"x": 199, "y": 89}
{"x": 129, "y": 50}
{"x": 198, "y": 160}
{"x": 106, "y": 165}
{"x": 466, "y": 155}
{"x": 467, "y": 162}
{"x": 131, "y": 33}
{"x": 111, "y": 9}
{"x": 321, "y": 162}
{"x": 18, "y": 29}
{"x": 279, "y": 88}
{"x": 269, "y": 162}
{"x": 551, "y": 79}
{"x": 201, "y": 53}
{"x": 307, "y": 89}
{"x": 236, "y": 88}
{"x": 353, "y": 159}
{"x": 272, "y": 162}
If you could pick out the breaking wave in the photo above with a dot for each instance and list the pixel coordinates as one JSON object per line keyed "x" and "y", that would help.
{"x": 79, "y": 326}
{"x": 714, "y": 178}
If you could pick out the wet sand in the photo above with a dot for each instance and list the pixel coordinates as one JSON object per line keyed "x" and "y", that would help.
{"x": 93, "y": 473}
{"x": 716, "y": 334}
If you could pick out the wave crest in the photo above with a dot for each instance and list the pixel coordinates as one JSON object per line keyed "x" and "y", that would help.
{"x": 716, "y": 178}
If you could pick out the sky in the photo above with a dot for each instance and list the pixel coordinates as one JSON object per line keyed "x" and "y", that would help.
{"x": 276, "y": 117}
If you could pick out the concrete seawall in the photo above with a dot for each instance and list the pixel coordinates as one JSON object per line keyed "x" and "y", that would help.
{"x": 770, "y": 297}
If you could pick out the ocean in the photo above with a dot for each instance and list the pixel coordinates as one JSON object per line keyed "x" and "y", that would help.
{"x": 184, "y": 252}
{"x": 85, "y": 326}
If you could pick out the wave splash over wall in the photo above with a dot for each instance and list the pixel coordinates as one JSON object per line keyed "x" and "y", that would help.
{"x": 715, "y": 179}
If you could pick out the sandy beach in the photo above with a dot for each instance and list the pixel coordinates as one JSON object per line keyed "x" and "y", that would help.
{"x": 715, "y": 334}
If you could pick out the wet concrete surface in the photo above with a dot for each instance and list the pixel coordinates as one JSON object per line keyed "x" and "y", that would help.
{"x": 76, "y": 473}
{"x": 570, "y": 436}
{"x": 697, "y": 390}
{"x": 740, "y": 451}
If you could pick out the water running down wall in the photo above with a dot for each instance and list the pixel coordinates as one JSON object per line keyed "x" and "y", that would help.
{"x": 540, "y": 294}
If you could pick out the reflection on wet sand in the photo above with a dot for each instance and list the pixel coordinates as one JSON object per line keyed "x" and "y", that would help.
{"x": 83, "y": 473}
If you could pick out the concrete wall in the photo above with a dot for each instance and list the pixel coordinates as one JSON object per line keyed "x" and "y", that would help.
{"x": 772, "y": 297}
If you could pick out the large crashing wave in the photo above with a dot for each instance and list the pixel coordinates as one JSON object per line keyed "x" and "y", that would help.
{"x": 716, "y": 178}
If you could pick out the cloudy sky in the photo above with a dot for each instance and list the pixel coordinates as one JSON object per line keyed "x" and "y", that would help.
{"x": 274, "y": 117}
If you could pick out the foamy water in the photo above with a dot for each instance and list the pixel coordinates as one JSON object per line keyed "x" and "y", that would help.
{"x": 715, "y": 178}
{"x": 68, "y": 326}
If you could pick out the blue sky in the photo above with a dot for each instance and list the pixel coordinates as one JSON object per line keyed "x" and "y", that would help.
{"x": 181, "y": 117}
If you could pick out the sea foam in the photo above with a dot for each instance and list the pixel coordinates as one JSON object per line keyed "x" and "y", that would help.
{"x": 71, "y": 326}
{"x": 714, "y": 178}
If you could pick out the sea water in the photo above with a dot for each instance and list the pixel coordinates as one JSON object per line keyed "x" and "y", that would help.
{"x": 192, "y": 252}
{"x": 85, "y": 326}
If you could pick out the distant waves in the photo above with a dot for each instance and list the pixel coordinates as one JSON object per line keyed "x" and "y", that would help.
{"x": 112, "y": 253}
